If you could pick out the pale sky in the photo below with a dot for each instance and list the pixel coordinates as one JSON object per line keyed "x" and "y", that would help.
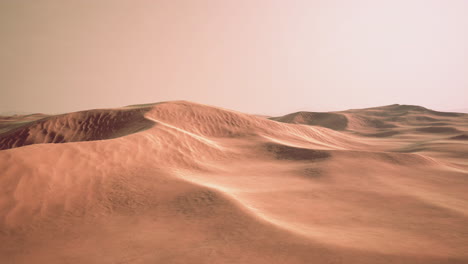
{"x": 256, "y": 56}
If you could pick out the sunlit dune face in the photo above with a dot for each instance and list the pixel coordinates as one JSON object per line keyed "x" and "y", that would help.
{"x": 269, "y": 57}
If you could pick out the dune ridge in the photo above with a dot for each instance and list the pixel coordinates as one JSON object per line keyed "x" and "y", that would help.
{"x": 384, "y": 121}
{"x": 79, "y": 126}
{"x": 181, "y": 182}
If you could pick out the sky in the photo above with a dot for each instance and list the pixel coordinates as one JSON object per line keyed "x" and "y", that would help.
{"x": 256, "y": 56}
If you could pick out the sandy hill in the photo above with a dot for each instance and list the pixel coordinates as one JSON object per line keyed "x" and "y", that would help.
{"x": 384, "y": 121}
{"x": 180, "y": 182}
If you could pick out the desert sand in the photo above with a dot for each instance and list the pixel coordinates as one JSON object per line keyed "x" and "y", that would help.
{"x": 180, "y": 182}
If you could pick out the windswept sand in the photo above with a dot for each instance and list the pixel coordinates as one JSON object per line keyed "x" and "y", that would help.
{"x": 180, "y": 182}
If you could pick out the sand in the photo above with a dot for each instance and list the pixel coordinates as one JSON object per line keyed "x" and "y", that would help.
{"x": 180, "y": 182}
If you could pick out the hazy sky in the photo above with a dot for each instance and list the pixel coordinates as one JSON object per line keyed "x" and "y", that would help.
{"x": 264, "y": 56}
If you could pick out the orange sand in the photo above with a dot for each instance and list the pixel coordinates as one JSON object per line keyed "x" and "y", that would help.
{"x": 180, "y": 182}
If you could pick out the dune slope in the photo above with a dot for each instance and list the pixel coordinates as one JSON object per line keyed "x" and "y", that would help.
{"x": 181, "y": 182}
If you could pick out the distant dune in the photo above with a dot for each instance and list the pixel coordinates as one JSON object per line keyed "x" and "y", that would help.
{"x": 461, "y": 110}
{"x": 382, "y": 121}
{"x": 180, "y": 182}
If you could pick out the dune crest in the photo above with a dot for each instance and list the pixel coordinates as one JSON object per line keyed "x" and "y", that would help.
{"x": 79, "y": 126}
{"x": 180, "y": 182}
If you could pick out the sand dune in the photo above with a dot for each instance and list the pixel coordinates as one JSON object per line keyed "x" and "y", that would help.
{"x": 180, "y": 182}
{"x": 79, "y": 126}
{"x": 334, "y": 121}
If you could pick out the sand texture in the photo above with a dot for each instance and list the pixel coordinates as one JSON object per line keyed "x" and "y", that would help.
{"x": 180, "y": 182}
